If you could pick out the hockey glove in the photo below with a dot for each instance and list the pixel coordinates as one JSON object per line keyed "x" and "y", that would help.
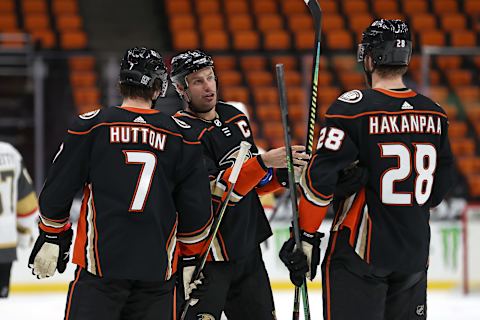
{"x": 50, "y": 252}
{"x": 196, "y": 289}
{"x": 301, "y": 264}
{"x": 350, "y": 181}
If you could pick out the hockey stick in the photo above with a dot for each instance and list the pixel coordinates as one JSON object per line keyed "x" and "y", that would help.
{"x": 292, "y": 189}
{"x": 316, "y": 12}
{"x": 237, "y": 166}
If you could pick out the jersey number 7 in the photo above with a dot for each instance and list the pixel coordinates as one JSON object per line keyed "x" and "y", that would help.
{"x": 424, "y": 162}
{"x": 148, "y": 160}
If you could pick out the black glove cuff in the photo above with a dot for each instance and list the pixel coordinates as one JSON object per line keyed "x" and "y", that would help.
{"x": 312, "y": 238}
{"x": 282, "y": 177}
{"x": 188, "y": 261}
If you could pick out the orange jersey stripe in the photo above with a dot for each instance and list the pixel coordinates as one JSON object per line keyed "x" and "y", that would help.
{"x": 341, "y": 116}
{"x": 397, "y": 94}
{"x": 222, "y": 243}
{"x": 70, "y": 294}
{"x": 310, "y": 215}
{"x": 270, "y": 187}
{"x": 140, "y": 110}
{"x": 53, "y": 230}
{"x": 234, "y": 117}
{"x": 310, "y": 186}
{"x": 96, "y": 238}
{"x": 250, "y": 175}
{"x": 186, "y": 234}
{"x": 123, "y": 123}
{"x": 369, "y": 238}
{"x": 175, "y": 303}
{"x": 353, "y": 216}
{"x": 55, "y": 220}
{"x": 81, "y": 238}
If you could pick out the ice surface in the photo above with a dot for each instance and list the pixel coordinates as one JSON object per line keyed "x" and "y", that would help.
{"x": 46, "y": 306}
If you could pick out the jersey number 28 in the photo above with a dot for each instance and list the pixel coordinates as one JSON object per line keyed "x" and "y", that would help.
{"x": 424, "y": 161}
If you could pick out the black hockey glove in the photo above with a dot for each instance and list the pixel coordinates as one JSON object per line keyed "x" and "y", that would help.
{"x": 50, "y": 252}
{"x": 302, "y": 264}
{"x": 350, "y": 181}
{"x": 193, "y": 290}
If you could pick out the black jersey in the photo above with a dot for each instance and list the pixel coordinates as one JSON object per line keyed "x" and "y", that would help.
{"x": 144, "y": 191}
{"x": 402, "y": 138}
{"x": 244, "y": 224}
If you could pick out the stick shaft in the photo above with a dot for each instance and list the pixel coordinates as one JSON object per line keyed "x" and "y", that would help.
{"x": 237, "y": 166}
{"x": 292, "y": 187}
{"x": 316, "y": 13}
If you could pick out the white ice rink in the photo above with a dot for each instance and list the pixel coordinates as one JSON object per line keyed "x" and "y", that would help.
{"x": 441, "y": 306}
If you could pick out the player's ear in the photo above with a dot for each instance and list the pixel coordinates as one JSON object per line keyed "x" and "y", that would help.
{"x": 368, "y": 63}
{"x": 181, "y": 91}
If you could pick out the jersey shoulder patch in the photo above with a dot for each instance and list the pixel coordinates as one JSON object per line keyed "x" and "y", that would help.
{"x": 352, "y": 96}
{"x": 89, "y": 115}
{"x": 86, "y": 121}
{"x": 181, "y": 123}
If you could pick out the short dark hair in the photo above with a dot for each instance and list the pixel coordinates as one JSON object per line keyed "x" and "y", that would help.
{"x": 391, "y": 71}
{"x": 142, "y": 92}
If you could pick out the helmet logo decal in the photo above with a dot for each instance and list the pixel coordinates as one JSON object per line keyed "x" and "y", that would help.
{"x": 397, "y": 27}
{"x": 145, "y": 79}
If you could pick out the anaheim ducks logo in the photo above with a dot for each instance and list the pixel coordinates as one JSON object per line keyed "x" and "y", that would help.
{"x": 353, "y": 96}
{"x": 205, "y": 316}
{"x": 181, "y": 123}
{"x": 89, "y": 115}
{"x": 229, "y": 159}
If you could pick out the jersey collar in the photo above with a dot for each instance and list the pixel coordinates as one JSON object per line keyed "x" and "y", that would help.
{"x": 139, "y": 110}
{"x": 407, "y": 93}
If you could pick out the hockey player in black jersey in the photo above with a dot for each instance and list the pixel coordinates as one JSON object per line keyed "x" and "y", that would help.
{"x": 376, "y": 263}
{"x": 238, "y": 283}
{"x": 145, "y": 202}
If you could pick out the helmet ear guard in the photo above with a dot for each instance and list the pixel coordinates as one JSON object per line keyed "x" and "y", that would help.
{"x": 389, "y": 53}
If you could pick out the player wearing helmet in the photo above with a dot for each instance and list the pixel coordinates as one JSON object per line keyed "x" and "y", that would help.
{"x": 376, "y": 262}
{"x": 145, "y": 201}
{"x": 237, "y": 278}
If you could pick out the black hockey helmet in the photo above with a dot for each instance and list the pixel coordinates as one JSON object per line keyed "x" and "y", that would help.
{"x": 188, "y": 62}
{"x": 141, "y": 67}
{"x": 388, "y": 42}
